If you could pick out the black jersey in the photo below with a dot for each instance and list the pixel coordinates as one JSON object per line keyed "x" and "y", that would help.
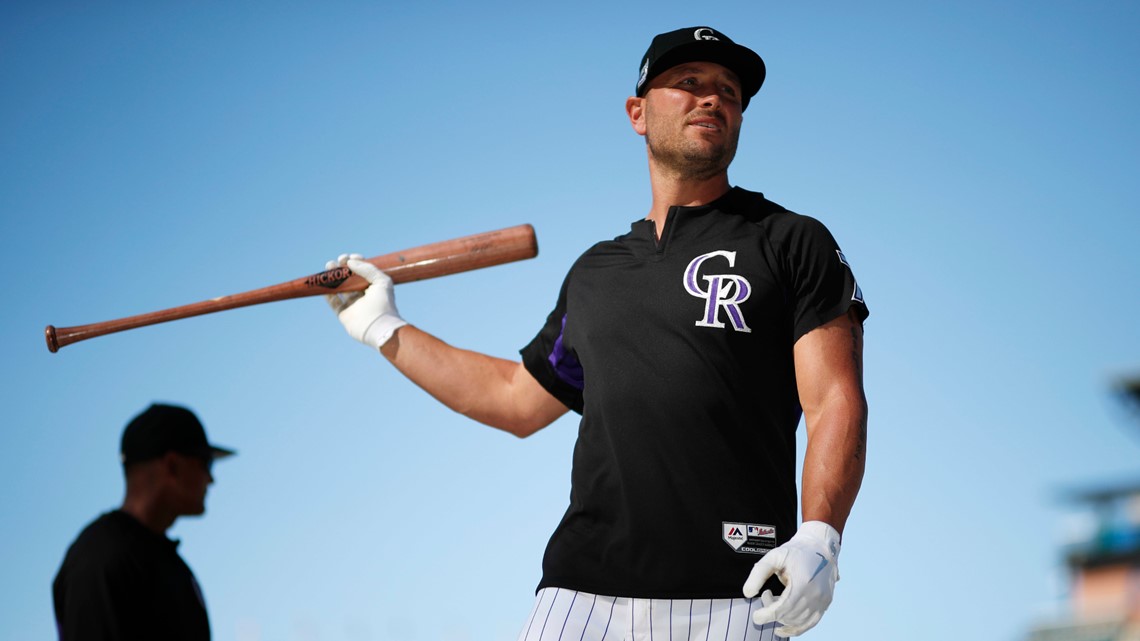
{"x": 678, "y": 355}
{"x": 123, "y": 582}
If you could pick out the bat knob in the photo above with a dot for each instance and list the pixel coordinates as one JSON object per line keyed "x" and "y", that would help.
{"x": 49, "y": 335}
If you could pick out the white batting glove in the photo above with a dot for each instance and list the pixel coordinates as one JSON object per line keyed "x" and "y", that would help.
{"x": 807, "y": 566}
{"x": 370, "y": 316}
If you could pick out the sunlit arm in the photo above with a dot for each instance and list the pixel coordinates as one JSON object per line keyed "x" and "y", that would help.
{"x": 829, "y": 375}
{"x": 494, "y": 391}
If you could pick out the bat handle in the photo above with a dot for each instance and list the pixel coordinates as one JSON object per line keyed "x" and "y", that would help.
{"x": 52, "y": 342}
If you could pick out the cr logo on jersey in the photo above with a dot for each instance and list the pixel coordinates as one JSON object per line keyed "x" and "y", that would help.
{"x": 723, "y": 291}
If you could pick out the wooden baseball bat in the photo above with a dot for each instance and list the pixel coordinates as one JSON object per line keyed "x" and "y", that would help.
{"x": 418, "y": 263}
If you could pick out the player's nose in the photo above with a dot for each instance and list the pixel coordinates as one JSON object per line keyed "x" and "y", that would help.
{"x": 711, "y": 100}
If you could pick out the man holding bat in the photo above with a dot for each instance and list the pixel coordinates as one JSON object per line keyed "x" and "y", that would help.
{"x": 691, "y": 346}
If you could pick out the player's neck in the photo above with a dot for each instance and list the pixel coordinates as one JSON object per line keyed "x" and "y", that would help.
{"x": 150, "y": 512}
{"x": 669, "y": 192}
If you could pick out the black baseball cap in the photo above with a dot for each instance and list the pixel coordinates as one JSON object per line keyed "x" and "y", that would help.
{"x": 163, "y": 428}
{"x": 702, "y": 44}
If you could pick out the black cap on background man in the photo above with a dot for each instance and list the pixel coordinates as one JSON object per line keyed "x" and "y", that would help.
{"x": 163, "y": 428}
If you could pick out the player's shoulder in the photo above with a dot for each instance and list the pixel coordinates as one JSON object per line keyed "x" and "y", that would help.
{"x": 754, "y": 207}
{"x": 781, "y": 228}
{"x": 115, "y": 533}
{"x": 105, "y": 546}
{"x": 104, "y": 526}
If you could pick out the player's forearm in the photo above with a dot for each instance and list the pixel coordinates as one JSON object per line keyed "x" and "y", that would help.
{"x": 481, "y": 387}
{"x": 829, "y": 376}
{"x": 834, "y": 462}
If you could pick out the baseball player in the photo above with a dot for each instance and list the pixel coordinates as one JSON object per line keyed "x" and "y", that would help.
{"x": 122, "y": 579}
{"x": 691, "y": 346}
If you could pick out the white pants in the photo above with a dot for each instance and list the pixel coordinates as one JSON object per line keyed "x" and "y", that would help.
{"x": 566, "y": 615}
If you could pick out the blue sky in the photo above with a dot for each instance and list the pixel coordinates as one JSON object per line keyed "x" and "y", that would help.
{"x": 976, "y": 160}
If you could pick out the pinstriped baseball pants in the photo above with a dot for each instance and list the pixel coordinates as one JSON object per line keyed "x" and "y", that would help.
{"x": 566, "y": 615}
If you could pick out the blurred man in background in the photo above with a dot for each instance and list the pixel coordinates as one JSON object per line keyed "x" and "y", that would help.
{"x": 123, "y": 579}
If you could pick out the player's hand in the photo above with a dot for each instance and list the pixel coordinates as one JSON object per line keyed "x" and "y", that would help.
{"x": 807, "y": 567}
{"x": 370, "y": 316}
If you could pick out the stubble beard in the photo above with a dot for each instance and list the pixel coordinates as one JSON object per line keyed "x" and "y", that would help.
{"x": 690, "y": 159}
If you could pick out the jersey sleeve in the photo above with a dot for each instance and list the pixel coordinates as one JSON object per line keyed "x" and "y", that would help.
{"x": 821, "y": 283}
{"x": 552, "y": 362}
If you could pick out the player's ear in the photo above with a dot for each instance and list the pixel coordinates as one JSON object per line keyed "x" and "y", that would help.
{"x": 635, "y": 109}
{"x": 172, "y": 465}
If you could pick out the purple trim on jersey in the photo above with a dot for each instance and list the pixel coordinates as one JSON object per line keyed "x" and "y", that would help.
{"x": 565, "y": 364}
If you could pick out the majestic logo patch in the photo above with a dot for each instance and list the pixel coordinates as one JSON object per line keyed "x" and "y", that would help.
{"x": 748, "y": 538}
{"x": 721, "y": 291}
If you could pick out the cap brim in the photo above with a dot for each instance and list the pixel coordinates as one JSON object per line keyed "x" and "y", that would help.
{"x": 220, "y": 452}
{"x": 745, "y": 63}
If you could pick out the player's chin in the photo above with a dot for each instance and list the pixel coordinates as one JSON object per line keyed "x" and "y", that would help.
{"x": 709, "y": 153}
{"x": 713, "y": 141}
{"x": 197, "y": 508}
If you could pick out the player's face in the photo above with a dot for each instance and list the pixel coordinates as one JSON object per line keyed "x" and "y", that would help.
{"x": 692, "y": 118}
{"x": 192, "y": 476}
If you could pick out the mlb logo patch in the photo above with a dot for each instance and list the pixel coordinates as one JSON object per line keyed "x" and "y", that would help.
{"x": 762, "y": 530}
